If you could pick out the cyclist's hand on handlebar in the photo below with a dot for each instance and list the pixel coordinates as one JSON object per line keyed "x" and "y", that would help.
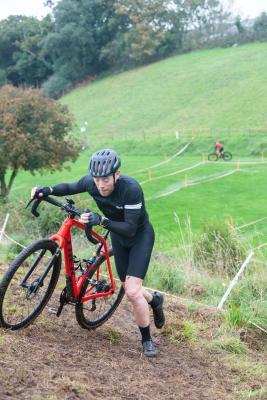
{"x": 91, "y": 218}
{"x": 39, "y": 192}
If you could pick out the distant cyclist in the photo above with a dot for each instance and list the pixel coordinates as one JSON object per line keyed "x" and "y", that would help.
{"x": 121, "y": 200}
{"x": 218, "y": 148}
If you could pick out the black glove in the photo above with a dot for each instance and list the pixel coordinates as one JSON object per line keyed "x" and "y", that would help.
{"x": 94, "y": 219}
{"x": 42, "y": 191}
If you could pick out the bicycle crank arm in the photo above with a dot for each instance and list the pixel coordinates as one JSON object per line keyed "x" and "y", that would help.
{"x": 60, "y": 308}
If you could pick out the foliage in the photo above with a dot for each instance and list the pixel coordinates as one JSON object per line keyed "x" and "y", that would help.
{"x": 21, "y": 55}
{"x": 260, "y": 27}
{"x": 143, "y": 33}
{"x": 2, "y": 77}
{"x": 229, "y": 343}
{"x": 56, "y": 85}
{"x": 179, "y": 331}
{"x": 234, "y": 316}
{"x": 33, "y": 134}
{"x": 219, "y": 249}
{"x": 81, "y": 30}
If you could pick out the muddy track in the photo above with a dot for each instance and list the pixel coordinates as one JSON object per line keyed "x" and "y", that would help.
{"x": 56, "y": 359}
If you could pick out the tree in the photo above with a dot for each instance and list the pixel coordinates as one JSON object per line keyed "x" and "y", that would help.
{"x": 20, "y": 50}
{"x": 260, "y": 27}
{"x": 33, "y": 134}
{"x": 81, "y": 29}
{"x": 141, "y": 31}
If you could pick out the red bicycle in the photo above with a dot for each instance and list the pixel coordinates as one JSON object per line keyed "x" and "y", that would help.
{"x": 29, "y": 282}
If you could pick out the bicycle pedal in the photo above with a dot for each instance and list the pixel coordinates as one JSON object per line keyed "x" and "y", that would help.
{"x": 52, "y": 311}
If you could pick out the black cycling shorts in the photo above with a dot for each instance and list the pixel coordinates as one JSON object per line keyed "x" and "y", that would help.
{"x": 132, "y": 256}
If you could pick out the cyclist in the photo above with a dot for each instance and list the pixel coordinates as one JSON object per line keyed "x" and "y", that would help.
{"x": 121, "y": 200}
{"x": 218, "y": 148}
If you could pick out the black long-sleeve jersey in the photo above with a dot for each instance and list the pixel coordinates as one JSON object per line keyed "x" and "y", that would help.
{"x": 124, "y": 207}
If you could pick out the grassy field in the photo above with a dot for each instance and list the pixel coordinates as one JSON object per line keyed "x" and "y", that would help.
{"x": 218, "y": 88}
{"x": 197, "y": 189}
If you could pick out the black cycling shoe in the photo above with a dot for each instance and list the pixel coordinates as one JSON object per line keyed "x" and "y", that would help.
{"x": 149, "y": 348}
{"x": 159, "y": 318}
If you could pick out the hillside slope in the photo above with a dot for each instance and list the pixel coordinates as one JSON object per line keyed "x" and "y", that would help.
{"x": 215, "y": 88}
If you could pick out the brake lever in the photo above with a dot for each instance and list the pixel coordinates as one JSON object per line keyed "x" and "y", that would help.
{"x": 35, "y": 206}
{"x": 29, "y": 202}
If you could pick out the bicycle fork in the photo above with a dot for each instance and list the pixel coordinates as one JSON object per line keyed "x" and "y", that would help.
{"x": 38, "y": 282}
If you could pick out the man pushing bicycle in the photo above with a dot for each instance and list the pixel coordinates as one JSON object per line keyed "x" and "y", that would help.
{"x": 121, "y": 200}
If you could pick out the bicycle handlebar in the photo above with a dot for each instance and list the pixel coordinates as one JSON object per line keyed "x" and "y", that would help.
{"x": 66, "y": 207}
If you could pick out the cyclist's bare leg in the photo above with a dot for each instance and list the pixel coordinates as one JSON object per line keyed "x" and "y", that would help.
{"x": 136, "y": 294}
{"x": 148, "y": 296}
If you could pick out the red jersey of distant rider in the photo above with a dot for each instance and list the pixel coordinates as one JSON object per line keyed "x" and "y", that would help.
{"x": 218, "y": 147}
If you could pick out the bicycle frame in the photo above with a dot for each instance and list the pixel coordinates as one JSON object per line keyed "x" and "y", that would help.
{"x": 63, "y": 238}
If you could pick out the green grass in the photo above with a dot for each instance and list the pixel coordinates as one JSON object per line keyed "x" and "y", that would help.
{"x": 258, "y": 394}
{"x": 217, "y": 88}
{"x": 228, "y": 343}
{"x": 240, "y": 196}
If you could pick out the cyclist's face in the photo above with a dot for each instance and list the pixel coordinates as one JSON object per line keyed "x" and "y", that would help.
{"x": 105, "y": 185}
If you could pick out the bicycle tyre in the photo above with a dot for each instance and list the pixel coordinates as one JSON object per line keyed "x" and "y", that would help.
{"x": 212, "y": 157}
{"x": 227, "y": 156}
{"x": 88, "y": 318}
{"x": 14, "y": 297}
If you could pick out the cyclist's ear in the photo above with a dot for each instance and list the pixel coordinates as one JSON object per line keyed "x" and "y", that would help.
{"x": 117, "y": 175}
{"x": 33, "y": 192}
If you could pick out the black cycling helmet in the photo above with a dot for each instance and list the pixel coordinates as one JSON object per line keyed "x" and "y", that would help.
{"x": 104, "y": 162}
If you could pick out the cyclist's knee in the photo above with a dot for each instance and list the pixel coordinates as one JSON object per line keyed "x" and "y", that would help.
{"x": 133, "y": 289}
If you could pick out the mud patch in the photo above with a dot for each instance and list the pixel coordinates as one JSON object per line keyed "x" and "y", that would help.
{"x": 56, "y": 359}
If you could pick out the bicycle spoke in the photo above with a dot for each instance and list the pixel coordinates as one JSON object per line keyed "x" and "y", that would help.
{"x": 103, "y": 305}
{"x": 91, "y": 317}
{"x": 28, "y": 284}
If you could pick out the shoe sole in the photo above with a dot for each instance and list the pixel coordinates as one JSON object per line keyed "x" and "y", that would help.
{"x": 151, "y": 355}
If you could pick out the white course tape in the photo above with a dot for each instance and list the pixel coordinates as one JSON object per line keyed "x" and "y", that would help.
{"x": 198, "y": 181}
{"x": 165, "y": 161}
{"x": 2, "y": 231}
{"x": 14, "y": 241}
{"x": 173, "y": 173}
{"x": 234, "y": 280}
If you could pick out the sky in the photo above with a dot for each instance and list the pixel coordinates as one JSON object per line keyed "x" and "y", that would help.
{"x": 250, "y": 8}
{"x": 246, "y": 8}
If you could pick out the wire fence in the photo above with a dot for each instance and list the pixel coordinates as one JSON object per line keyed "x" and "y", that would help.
{"x": 174, "y": 135}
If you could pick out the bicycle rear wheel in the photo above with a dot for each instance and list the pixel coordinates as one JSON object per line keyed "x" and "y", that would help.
{"x": 28, "y": 284}
{"x": 227, "y": 156}
{"x": 91, "y": 314}
{"x": 212, "y": 157}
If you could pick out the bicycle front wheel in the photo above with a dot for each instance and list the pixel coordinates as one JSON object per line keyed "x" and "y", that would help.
{"x": 28, "y": 284}
{"x": 212, "y": 157}
{"x": 93, "y": 313}
{"x": 227, "y": 156}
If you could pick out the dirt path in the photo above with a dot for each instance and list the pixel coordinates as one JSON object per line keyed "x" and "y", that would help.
{"x": 56, "y": 359}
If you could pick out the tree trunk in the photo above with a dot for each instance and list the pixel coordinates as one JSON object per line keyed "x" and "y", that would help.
{"x": 3, "y": 187}
{"x": 11, "y": 180}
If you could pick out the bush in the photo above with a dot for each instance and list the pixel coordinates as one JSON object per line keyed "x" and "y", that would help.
{"x": 2, "y": 77}
{"x": 55, "y": 86}
{"x": 219, "y": 248}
